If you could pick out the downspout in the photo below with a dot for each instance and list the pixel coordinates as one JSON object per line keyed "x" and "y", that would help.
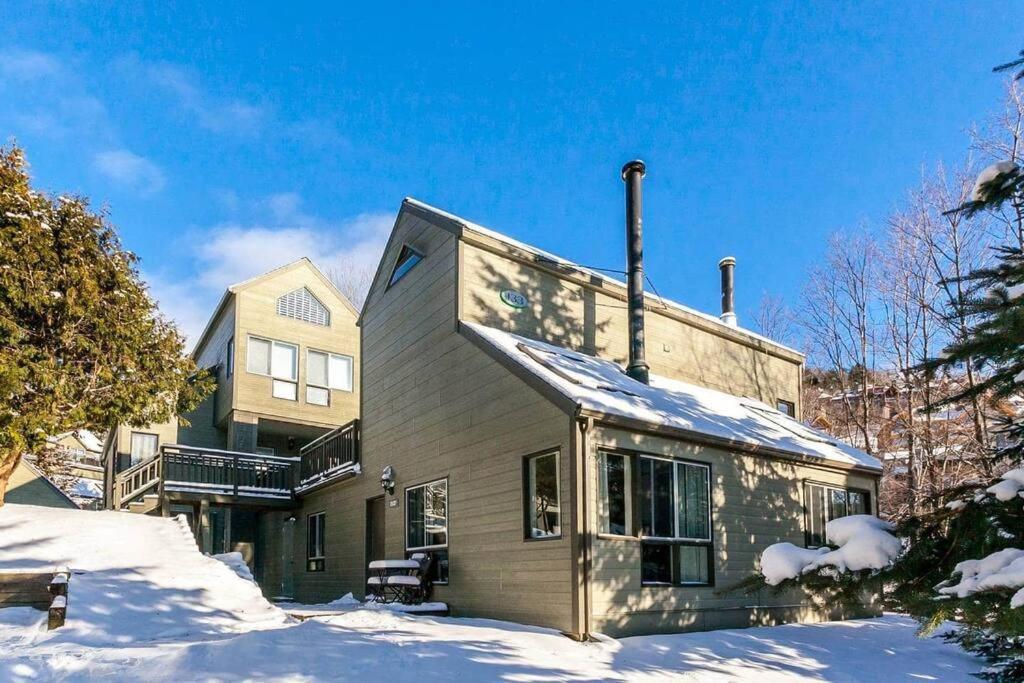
{"x": 586, "y": 428}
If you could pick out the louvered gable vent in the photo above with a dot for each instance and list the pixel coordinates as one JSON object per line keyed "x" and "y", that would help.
{"x": 302, "y": 305}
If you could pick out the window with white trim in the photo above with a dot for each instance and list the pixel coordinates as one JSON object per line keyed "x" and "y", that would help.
{"x": 229, "y": 358}
{"x": 326, "y": 371}
{"x": 278, "y": 360}
{"x": 674, "y": 501}
{"x": 426, "y": 524}
{"x": 824, "y": 503}
{"x": 300, "y": 304}
{"x": 316, "y": 525}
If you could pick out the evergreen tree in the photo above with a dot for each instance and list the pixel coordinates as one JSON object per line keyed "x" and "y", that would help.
{"x": 81, "y": 342}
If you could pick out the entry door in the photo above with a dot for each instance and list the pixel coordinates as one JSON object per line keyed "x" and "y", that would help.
{"x": 375, "y": 529}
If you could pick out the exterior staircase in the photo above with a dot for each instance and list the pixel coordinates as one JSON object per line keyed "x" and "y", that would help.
{"x": 144, "y": 505}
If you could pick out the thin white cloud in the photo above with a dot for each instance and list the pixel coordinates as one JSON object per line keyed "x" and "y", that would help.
{"x": 232, "y": 252}
{"x": 130, "y": 171}
{"x": 178, "y": 301}
{"x": 25, "y": 65}
{"x": 218, "y": 114}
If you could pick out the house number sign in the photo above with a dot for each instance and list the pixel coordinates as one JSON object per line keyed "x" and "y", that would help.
{"x": 513, "y": 298}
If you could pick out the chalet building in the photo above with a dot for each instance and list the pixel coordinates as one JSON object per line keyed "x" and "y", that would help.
{"x": 284, "y": 350}
{"x": 569, "y": 459}
{"x": 570, "y": 452}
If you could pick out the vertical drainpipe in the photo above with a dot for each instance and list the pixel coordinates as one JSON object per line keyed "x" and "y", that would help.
{"x": 632, "y": 174}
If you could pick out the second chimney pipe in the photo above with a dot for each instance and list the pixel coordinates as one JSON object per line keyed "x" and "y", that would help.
{"x": 728, "y": 268}
{"x": 632, "y": 174}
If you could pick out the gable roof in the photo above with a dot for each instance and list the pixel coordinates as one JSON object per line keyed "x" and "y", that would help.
{"x": 460, "y": 226}
{"x": 245, "y": 284}
{"x": 601, "y": 389}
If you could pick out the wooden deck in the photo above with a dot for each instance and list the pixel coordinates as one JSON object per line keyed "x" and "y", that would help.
{"x": 189, "y": 473}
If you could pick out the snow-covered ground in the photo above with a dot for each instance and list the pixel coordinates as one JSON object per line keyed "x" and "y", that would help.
{"x": 144, "y": 604}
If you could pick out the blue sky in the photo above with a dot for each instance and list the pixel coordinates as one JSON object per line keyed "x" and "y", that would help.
{"x": 297, "y": 131}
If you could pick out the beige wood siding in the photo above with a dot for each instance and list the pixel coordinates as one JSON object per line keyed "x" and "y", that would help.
{"x": 214, "y": 352}
{"x": 586, "y": 319}
{"x": 435, "y": 407}
{"x": 756, "y": 501}
{"x": 257, "y": 316}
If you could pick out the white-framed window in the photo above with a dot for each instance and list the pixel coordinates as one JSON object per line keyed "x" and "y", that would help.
{"x": 674, "y": 501}
{"x": 300, "y": 304}
{"x": 426, "y": 524}
{"x": 143, "y": 446}
{"x": 316, "y": 525}
{"x": 615, "y": 500}
{"x": 824, "y": 503}
{"x": 278, "y": 360}
{"x": 326, "y": 371}
{"x": 543, "y": 514}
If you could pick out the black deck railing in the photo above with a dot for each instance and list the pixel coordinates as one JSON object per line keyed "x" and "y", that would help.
{"x": 232, "y": 473}
{"x": 332, "y": 452}
{"x": 228, "y": 471}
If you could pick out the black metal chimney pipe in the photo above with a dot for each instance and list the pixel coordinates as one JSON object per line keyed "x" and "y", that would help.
{"x": 632, "y": 174}
{"x": 728, "y": 268}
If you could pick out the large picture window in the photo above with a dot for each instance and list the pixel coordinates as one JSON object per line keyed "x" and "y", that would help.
{"x": 674, "y": 503}
{"x": 543, "y": 515}
{"x": 316, "y": 525}
{"x": 615, "y": 500}
{"x": 824, "y": 503}
{"x": 426, "y": 524}
{"x": 278, "y": 360}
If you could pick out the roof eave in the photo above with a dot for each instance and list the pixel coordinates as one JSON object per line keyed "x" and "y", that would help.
{"x": 634, "y": 424}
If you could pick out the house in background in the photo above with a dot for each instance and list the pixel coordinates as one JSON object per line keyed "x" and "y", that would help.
{"x": 502, "y": 435}
{"x": 79, "y": 482}
{"x": 284, "y": 349}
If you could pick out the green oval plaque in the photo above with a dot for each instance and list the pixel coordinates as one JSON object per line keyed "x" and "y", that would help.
{"x": 513, "y": 298}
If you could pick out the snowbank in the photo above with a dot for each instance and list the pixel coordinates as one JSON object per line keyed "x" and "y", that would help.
{"x": 237, "y": 564}
{"x": 864, "y": 543}
{"x": 1002, "y": 569}
{"x": 135, "y": 578}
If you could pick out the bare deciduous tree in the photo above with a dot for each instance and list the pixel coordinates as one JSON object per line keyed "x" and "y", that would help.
{"x": 352, "y": 280}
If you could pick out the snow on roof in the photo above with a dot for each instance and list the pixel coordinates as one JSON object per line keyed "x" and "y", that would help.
{"x": 601, "y": 386}
{"x": 87, "y": 488}
{"x": 548, "y": 256}
{"x": 89, "y": 440}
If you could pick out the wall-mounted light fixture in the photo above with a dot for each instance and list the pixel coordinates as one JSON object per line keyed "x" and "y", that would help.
{"x": 387, "y": 479}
